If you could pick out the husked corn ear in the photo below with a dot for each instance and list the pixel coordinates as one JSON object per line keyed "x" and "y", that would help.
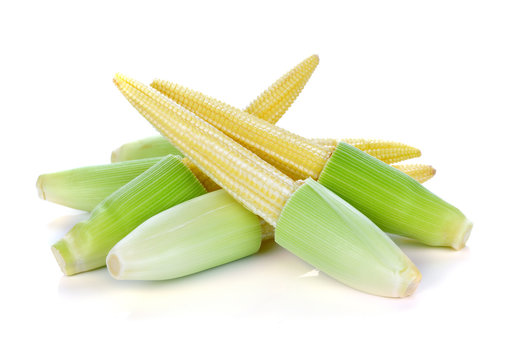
{"x": 269, "y": 105}
{"x": 328, "y": 144}
{"x": 419, "y": 172}
{"x": 392, "y": 200}
{"x": 275, "y": 101}
{"x": 389, "y": 152}
{"x": 254, "y": 183}
{"x": 297, "y": 157}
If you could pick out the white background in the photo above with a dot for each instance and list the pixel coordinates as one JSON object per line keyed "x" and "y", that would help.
{"x": 435, "y": 74}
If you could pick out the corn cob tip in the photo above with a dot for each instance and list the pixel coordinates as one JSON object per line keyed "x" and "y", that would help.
{"x": 40, "y": 188}
{"x": 117, "y": 78}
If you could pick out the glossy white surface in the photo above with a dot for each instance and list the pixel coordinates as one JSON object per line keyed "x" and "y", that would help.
{"x": 437, "y": 74}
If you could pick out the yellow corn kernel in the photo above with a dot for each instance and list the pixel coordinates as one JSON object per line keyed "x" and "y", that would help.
{"x": 420, "y": 172}
{"x": 328, "y": 144}
{"x": 250, "y": 180}
{"x": 389, "y": 152}
{"x": 267, "y": 231}
{"x": 275, "y": 101}
{"x": 296, "y": 156}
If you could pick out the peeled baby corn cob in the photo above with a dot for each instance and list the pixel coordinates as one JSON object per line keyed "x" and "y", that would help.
{"x": 270, "y": 106}
{"x": 389, "y": 152}
{"x": 275, "y": 101}
{"x": 419, "y": 172}
{"x": 349, "y": 247}
{"x": 163, "y": 185}
{"x": 392, "y": 200}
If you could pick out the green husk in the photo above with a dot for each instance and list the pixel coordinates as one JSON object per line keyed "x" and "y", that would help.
{"x": 330, "y": 234}
{"x": 84, "y": 188}
{"x": 392, "y": 200}
{"x": 199, "y": 234}
{"x": 167, "y": 183}
{"x": 154, "y": 146}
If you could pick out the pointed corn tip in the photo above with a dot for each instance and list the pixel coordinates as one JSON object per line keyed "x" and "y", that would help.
{"x": 118, "y": 79}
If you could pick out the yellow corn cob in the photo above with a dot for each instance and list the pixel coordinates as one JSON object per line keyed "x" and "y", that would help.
{"x": 275, "y": 101}
{"x": 392, "y": 200}
{"x": 270, "y": 106}
{"x": 296, "y": 156}
{"x": 389, "y": 152}
{"x": 419, "y": 172}
{"x": 254, "y": 183}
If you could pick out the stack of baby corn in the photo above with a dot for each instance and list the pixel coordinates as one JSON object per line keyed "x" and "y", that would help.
{"x": 220, "y": 180}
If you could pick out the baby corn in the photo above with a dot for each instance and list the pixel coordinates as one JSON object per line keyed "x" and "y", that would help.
{"x": 392, "y": 200}
{"x": 199, "y": 234}
{"x": 274, "y": 102}
{"x": 348, "y": 246}
{"x": 163, "y": 185}
{"x": 389, "y": 152}
{"x": 271, "y": 106}
{"x": 84, "y": 188}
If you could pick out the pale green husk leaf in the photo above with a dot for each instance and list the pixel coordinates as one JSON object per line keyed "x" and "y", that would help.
{"x": 154, "y": 146}
{"x": 84, "y": 188}
{"x": 167, "y": 183}
{"x": 394, "y": 201}
{"x": 322, "y": 229}
{"x": 199, "y": 234}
